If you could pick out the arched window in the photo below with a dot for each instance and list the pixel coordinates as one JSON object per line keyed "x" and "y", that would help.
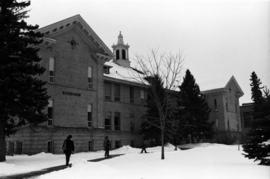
{"x": 123, "y": 54}
{"x": 117, "y": 54}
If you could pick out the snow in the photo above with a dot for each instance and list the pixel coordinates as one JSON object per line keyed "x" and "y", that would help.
{"x": 267, "y": 142}
{"x": 124, "y": 73}
{"x": 204, "y": 161}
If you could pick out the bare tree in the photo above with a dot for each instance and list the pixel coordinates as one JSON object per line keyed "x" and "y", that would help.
{"x": 166, "y": 67}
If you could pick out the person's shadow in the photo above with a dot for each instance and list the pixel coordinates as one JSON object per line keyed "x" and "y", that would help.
{"x": 36, "y": 173}
{"x": 103, "y": 158}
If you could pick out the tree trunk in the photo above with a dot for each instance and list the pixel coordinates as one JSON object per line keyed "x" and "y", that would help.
{"x": 162, "y": 144}
{"x": 2, "y": 142}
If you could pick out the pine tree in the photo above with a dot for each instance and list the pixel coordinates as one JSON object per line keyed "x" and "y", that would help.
{"x": 256, "y": 93}
{"x": 254, "y": 146}
{"x": 151, "y": 127}
{"x": 158, "y": 113}
{"x": 194, "y": 117}
{"x": 22, "y": 94}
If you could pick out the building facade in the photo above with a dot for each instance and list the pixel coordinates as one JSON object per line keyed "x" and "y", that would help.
{"x": 225, "y": 111}
{"x": 83, "y": 101}
{"x": 246, "y": 116}
{"x": 94, "y": 93}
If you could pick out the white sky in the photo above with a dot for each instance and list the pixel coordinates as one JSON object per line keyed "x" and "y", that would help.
{"x": 218, "y": 38}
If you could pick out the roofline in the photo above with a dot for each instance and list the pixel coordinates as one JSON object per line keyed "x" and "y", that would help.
{"x": 107, "y": 78}
{"x": 237, "y": 85}
{"x": 248, "y": 104}
{"x": 86, "y": 27}
{"x": 215, "y": 90}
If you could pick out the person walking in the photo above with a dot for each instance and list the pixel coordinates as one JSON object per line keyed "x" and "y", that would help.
{"x": 144, "y": 145}
{"x": 107, "y": 146}
{"x": 68, "y": 148}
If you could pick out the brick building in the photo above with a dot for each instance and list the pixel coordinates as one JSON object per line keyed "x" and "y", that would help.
{"x": 94, "y": 93}
{"x": 86, "y": 100}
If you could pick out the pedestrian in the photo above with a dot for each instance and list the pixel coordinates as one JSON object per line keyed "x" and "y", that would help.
{"x": 68, "y": 148}
{"x": 144, "y": 145}
{"x": 107, "y": 146}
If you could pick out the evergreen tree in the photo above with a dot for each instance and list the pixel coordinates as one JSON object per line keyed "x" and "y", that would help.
{"x": 158, "y": 113}
{"x": 194, "y": 122}
{"x": 22, "y": 93}
{"x": 256, "y": 94}
{"x": 151, "y": 127}
{"x": 255, "y": 146}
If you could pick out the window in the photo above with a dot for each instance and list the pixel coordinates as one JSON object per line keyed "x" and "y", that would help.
{"x": 10, "y": 148}
{"x": 142, "y": 94}
{"x": 51, "y": 69}
{"x": 131, "y": 94}
{"x": 50, "y": 146}
{"x": 132, "y": 124}
{"x": 50, "y": 112}
{"x": 123, "y": 54}
{"x": 215, "y": 104}
{"x": 247, "y": 118}
{"x": 117, "y": 143}
{"x": 227, "y": 107}
{"x": 91, "y": 145}
{"x": 116, "y": 92}
{"x": 18, "y": 147}
{"x": 236, "y": 105}
{"x": 90, "y": 77}
{"x": 228, "y": 125}
{"x": 89, "y": 114}
{"x": 117, "y": 121}
{"x": 132, "y": 143}
{"x": 217, "y": 123}
{"x": 108, "y": 119}
{"x": 117, "y": 54}
{"x": 108, "y": 91}
{"x": 106, "y": 69}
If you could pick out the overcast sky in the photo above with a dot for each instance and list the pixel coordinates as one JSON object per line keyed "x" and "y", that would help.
{"x": 218, "y": 38}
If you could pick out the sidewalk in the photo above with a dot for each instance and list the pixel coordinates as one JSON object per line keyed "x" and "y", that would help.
{"x": 51, "y": 169}
{"x": 35, "y": 173}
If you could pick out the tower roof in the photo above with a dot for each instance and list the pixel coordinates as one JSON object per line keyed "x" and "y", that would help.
{"x": 120, "y": 39}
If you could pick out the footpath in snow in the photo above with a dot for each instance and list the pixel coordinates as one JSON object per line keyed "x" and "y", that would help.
{"x": 204, "y": 161}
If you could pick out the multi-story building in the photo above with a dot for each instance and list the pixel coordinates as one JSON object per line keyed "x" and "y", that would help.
{"x": 96, "y": 93}
{"x": 89, "y": 94}
{"x": 224, "y": 105}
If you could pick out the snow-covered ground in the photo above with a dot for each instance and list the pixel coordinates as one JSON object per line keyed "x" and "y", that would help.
{"x": 205, "y": 161}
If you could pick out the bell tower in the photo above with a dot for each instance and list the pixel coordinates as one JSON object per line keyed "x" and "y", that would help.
{"x": 120, "y": 52}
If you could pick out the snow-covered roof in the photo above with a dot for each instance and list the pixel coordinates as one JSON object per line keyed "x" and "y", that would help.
{"x": 129, "y": 74}
{"x": 124, "y": 74}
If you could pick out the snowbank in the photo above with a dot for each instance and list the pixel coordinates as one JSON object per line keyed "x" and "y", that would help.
{"x": 204, "y": 161}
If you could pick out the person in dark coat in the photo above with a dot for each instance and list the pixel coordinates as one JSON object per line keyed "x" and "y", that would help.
{"x": 144, "y": 145}
{"x": 107, "y": 146}
{"x": 68, "y": 148}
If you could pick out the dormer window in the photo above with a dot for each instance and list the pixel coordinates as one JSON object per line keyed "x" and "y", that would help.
{"x": 106, "y": 70}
